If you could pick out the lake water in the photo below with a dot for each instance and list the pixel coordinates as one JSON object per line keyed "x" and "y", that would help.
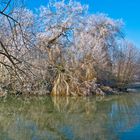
{"x": 59, "y": 118}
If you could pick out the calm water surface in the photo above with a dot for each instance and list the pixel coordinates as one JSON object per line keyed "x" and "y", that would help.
{"x": 59, "y": 118}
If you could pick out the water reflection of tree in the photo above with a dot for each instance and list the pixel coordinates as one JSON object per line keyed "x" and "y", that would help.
{"x": 68, "y": 118}
{"x": 125, "y": 112}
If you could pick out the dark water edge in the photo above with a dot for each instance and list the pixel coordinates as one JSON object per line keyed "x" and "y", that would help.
{"x": 114, "y": 117}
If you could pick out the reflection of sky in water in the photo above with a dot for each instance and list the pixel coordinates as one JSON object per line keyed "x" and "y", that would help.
{"x": 110, "y": 118}
{"x": 131, "y": 134}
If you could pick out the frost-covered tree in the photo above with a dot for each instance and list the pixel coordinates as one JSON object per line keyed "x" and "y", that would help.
{"x": 64, "y": 50}
{"x": 125, "y": 62}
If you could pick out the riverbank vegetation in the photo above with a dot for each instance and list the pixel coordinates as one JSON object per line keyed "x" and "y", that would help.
{"x": 61, "y": 49}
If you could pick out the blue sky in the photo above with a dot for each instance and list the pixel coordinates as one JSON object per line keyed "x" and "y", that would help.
{"x": 128, "y": 10}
